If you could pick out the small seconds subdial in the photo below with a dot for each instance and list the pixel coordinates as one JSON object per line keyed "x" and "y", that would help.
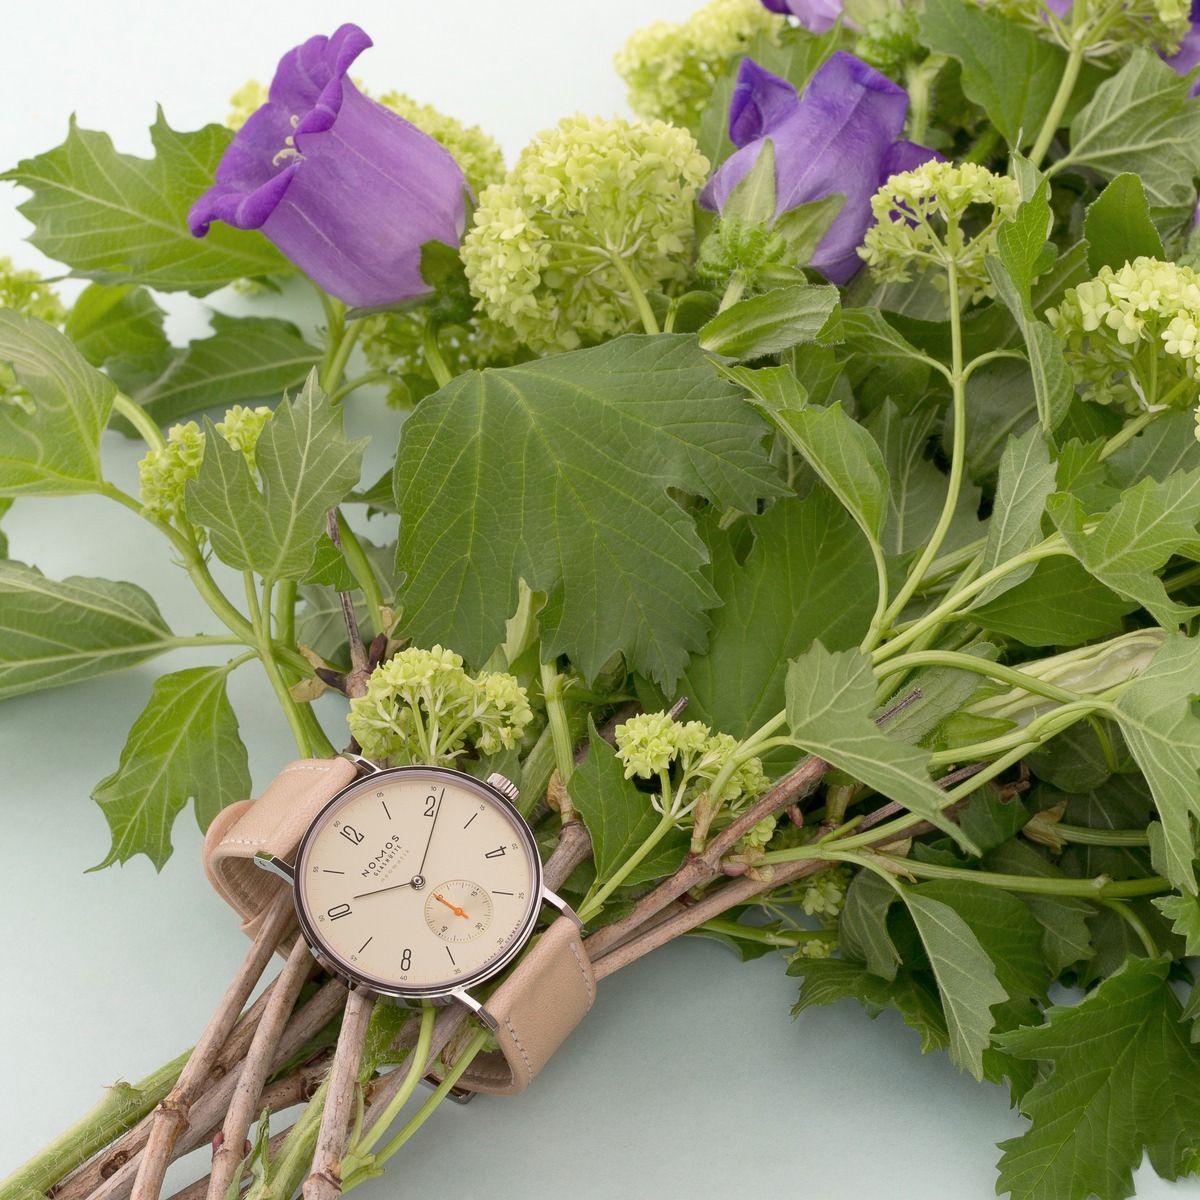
{"x": 458, "y": 911}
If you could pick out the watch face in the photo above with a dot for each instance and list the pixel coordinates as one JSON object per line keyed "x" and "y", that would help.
{"x": 417, "y": 881}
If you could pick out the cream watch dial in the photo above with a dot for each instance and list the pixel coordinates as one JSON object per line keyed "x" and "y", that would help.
{"x": 418, "y": 881}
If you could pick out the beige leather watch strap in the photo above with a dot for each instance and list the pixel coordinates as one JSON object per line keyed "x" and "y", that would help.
{"x": 272, "y": 824}
{"x": 535, "y": 1008}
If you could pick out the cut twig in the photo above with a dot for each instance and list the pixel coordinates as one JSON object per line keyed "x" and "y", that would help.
{"x": 325, "y": 1180}
{"x": 356, "y": 681}
{"x": 170, "y": 1119}
{"x": 246, "y": 1097}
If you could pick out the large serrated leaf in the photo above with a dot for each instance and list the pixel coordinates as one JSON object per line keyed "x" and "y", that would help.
{"x": 185, "y": 745}
{"x": 116, "y": 218}
{"x": 54, "y": 632}
{"x": 557, "y": 472}
{"x": 307, "y": 467}
{"x": 51, "y": 446}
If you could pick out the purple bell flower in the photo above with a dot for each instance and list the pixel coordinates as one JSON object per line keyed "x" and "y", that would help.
{"x": 817, "y": 16}
{"x": 840, "y": 137}
{"x": 1188, "y": 54}
{"x": 345, "y": 188}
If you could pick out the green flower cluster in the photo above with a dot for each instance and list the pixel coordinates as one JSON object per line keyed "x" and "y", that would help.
{"x": 686, "y": 758}
{"x": 594, "y": 214}
{"x": 421, "y": 706}
{"x": 891, "y": 42}
{"x": 671, "y": 69}
{"x": 937, "y": 215}
{"x": 244, "y": 103}
{"x": 163, "y": 474}
{"x": 1103, "y": 27}
{"x": 25, "y": 292}
{"x": 1132, "y": 335}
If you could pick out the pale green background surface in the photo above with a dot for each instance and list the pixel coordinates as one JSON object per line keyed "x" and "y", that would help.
{"x": 688, "y": 1077}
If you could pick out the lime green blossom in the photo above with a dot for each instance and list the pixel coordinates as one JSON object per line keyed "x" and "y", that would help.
{"x": 891, "y": 41}
{"x": 815, "y": 948}
{"x": 928, "y": 217}
{"x": 163, "y": 474}
{"x": 245, "y": 102}
{"x": 825, "y": 892}
{"x": 421, "y": 706}
{"x": 476, "y": 152}
{"x": 1103, "y": 28}
{"x": 1133, "y": 335}
{"x": 685, "y": 758}
{"x": 671, "y": 69}
{"x": 27, "y": 293}
{"x": 589, "y": 205}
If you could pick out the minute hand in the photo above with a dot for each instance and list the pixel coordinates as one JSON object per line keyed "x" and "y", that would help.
{"x": 377, "y": 891}
{"x": 437, "y": 812}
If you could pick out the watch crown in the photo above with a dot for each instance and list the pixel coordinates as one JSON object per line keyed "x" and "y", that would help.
{"x": 505, "y": 787}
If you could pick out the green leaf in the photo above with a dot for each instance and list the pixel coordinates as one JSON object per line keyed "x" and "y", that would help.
{"x": 1184, "y": 914}
{"x": 1166, "y": 445}
{"x": 1141, "y": 121}
{"x": 1152, "y": 522}
{"x": 123, "y": 322}
{"x": 845, "y": 456}
{"x": 1158, "y": 717}
{"x": 1118, "y": 227}
{"x": 752, "y": 199}
{"x": 55, "y": 632}
{"x": 1000, "y": 404}
{"x": 245, "y": 359}
{"x": 1010, "y": 72}
{"x": 619, "y": 817}
{"x": 120, "y": 219}
{"x": 773, "y": 321}
{"x": 307, "y": 467}
{"x": 931, "y": 694}
{"x": 1060, "y": 604}
{"x": 557, "y": 472}
{"x": 880, "y": 361}
{"x": 185, "y": 745}
{"x": 830, "y": 697}
{"x": 809, "y": 574}
{"x": 965, "y": 975}
{"x": 1027, "y": 477}
{"x": 1024, "y": 254}
{"x": 829, "y": 980}
{"x": 53, "y": 449}
{"x": 1123, "y": 1082}
{"x": 804, "y": 226}
{"x": 1064, "y": 919}
{"x": 863, "y": 924}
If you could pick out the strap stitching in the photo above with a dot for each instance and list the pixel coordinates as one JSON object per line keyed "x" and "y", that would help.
{"x": 517, "y": 1041}
{"x": 589, "y": 981}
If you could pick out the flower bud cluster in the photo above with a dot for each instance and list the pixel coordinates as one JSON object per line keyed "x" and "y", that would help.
{"x": 936, "y": 215}
{"x": 26, "y": 293}
{"x": 1133, "y": 335}
{"x": 686, "y": 758}
{"x": 421, "y": 706}
{"x": 1105, "y": 29}
{"x": 748, "y": 249}
{"x": 163, "y": 474}
{"x": 671, "y": 69}
{"x": 245, "y": 102}
{"x": 588, "y": 203}
{"x": 891, "y": 42}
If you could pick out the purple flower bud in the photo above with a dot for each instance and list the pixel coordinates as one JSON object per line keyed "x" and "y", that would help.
{"x": 840, "y": 137}
{"x": 344, "y": 187}
{"x": 818, "y": 16}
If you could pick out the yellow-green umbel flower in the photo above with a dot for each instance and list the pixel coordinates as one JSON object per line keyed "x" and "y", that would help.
{"x": 671, "y": 69}
{"x": 927, "y": 218}
{"x": 594, "y": 214}
{"x": 1103, "y": 29}
{"x": 1132, "y": 335}
{"x": 242, "y": 427}
{"x": 245, "y": 102}
{"x": 28, "y": 293}
{"x": 421, "y": 706}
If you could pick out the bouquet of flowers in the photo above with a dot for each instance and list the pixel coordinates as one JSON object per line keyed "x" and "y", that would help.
{"x": 799, "y": 498}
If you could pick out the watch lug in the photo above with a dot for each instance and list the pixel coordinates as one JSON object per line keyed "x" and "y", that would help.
{"x": 477, "y": 1009}
{"x": 556, "y": 901}
{"x": 505, "y": 787}
{"x": 276, "y": 865}
{"x": 365, "y": 765}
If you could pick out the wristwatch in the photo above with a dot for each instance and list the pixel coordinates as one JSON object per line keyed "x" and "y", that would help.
{"x": 417, "y": 884}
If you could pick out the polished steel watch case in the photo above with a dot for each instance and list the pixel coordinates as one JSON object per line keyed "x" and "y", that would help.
{"x": 497, "y": 791}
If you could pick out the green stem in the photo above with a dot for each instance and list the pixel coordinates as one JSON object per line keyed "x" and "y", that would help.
{"x": 285, "y": 612}
{"x": 765, "y": 937}
{"x": 1062, "y": 97}
{"x": 760, "y": 740}
{"x": 594, "y": 901}
{"x": 1127, "y": 433}
{"x": 331, "y": 377}
{"x": 364, "y": 574}
{"x": 266, "y": 651}
{"x": 422, "y": 1114}
{"x": 636, "y": 295}
{"x": 352, "y": 385}
{"x": 1135, "y": 923}
{"x": 140, "y": 419}
{"x": 557, "y": 722}
{"x": 416, "y": 1070}
{"x": 1086, "y": 836}
{"x": 433, "y": 354}
{"x": 733, "y": 291}
{"x": 979, "y": 666}
{"x": 293, "y": 1161}
{"x": 920, "y": 79}
{"x": 122, "y": 1106}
